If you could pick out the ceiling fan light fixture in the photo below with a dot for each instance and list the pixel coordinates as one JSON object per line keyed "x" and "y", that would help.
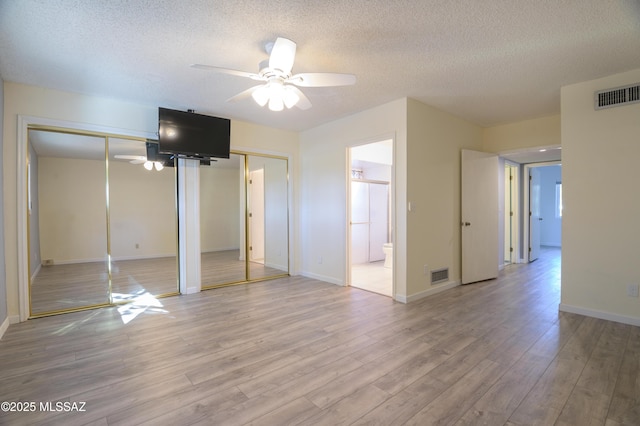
{"x": 261, "y": 95}
{"x": 276, "y": 102}
{"x": 291, "y": 98}
{"x": 148, "y": 165}
{"x": 158, "y": 165}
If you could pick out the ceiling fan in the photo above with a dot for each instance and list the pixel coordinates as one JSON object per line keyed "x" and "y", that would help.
{"x": 140, "y": 159}
{"x": 279, "y": 89}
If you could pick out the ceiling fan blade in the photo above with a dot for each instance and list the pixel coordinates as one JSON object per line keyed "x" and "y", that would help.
{"x": 244, "y": 94}
{"x": 303, "y": 102}
{"x": 321, "y": 79}
{"x": 227, "y": 71}
{"x": 282, "y": 55}
{"x": 131, "y": 157}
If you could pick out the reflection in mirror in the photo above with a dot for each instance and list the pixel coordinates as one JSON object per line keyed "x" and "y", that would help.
{"x": 267, "y": 196}
{"x": 222, "y": 221}
{"x": 142, "y": 219}
{"x": 67, "y": 232}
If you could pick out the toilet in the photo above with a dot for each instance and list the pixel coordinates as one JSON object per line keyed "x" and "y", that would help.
{"x": 387, "y": 248}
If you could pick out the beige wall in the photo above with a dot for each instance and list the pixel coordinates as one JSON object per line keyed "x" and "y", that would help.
{"x": 427, "y": 173}
{"x": 220, "y": 208}
{"x": 600, "y": 235}
{"x": 434, "y": 142}
{"x": 539, "y": 132}
{"x": 73, "y": 107}
{"x": 72, "y": 210}
{"x": 323, "y": 195}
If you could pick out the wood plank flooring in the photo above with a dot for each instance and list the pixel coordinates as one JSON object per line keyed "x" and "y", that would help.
{"x": 300, "y": 351}
{"x": 71, "y": 286}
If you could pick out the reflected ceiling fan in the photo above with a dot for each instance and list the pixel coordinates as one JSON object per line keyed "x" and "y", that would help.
{"x": 133, "y": 159}
{"x": 279, "y": 88}
{"x": 140, "y": 159}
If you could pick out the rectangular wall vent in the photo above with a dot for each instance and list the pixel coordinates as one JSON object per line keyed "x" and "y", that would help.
{"x": 439, "y": 275}
{"x": 618, "y": 96}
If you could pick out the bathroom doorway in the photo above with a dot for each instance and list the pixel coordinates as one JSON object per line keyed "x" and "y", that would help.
{"x": 370, "y": 217}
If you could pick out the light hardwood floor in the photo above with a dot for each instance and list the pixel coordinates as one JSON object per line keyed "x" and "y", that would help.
{"x": 70, "y": 286}
{"x": 300, "y": 351}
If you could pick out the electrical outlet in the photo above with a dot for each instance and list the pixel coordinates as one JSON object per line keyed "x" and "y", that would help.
{"x": 137, "y": 245}
{"x": 632, "y": 290}
{"x": 320, "y": 260}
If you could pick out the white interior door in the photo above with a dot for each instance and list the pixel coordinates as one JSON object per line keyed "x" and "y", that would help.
{"x": 256, "y": 216}
{"x": 479, "y": 214}
{"x": 534, "y": 213}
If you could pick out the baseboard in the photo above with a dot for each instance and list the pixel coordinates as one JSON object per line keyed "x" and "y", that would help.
{"x": 4, "y": 326}
{"x": 324, "y": 278}
{"x": 428, "y": 292}
{"x": 113, "y": 259}
{"x": 278, "y": 266}
{"x": 599, "y": 314}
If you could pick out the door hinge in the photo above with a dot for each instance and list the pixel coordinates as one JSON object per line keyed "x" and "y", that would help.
{"x": 510, "y": 213}
{"x": 250, "y": 214}
{"x": 529, "y": 249}
{"x": 511, "y": 249}
{"x": 250, "y": 181}
{"x": 250, "y": 248}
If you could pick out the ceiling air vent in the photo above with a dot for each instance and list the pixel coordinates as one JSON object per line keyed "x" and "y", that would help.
{"x": 618, "y": 96}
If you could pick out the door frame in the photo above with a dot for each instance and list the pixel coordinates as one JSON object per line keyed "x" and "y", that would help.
{"x": 525, "y": 188}
{"x": 515, "y": 206}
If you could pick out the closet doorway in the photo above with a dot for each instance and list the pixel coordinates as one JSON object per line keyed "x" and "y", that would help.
{"x": 370, "y": 217}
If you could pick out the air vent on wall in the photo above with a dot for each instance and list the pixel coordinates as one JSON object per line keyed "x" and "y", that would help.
{"x": 439, "y": 275}
{"x": 618, "y": 96}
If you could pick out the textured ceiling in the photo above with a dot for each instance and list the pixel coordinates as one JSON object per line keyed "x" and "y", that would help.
{"x": 490, "y": 61}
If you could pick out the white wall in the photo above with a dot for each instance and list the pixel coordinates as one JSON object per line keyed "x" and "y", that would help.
{"x": 323, "y": 193}
{"x": 105, "y": 112}
{"x": 600, "y": 151}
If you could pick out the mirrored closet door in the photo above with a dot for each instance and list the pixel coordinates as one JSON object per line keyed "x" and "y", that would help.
{"x": 142, "y": 223}
{"x": 244, "y": 219}
{"x": 102, "y": 228}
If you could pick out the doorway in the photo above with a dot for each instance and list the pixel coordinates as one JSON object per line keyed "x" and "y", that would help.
{"x": 543, "y": 201}
{"x": 370, "y": 264}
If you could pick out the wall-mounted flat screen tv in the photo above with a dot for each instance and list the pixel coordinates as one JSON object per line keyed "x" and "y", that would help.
{"x": 191, "y": 135}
